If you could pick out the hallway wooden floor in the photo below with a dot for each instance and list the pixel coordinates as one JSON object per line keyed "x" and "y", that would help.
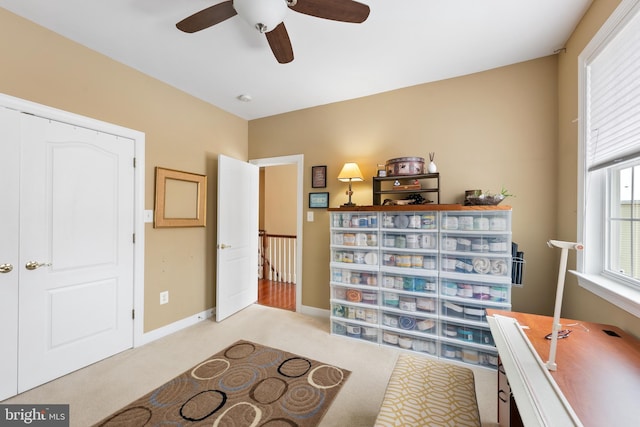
{"x": 277, "y": 294}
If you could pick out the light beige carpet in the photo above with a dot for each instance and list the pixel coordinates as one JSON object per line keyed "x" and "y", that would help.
{"x": 101, "y": 389}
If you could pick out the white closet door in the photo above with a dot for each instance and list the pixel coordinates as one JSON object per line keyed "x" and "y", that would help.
{"x": 76, "y": 228}
{"x": 237, "y": 254}
{"x": 9, "y": 240}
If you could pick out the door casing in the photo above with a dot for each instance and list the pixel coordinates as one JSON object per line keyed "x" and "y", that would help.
{"x": 298, "y": 160}
{"x": 139, "y": 186}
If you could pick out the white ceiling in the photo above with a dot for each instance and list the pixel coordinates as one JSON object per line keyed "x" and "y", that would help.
{"x": 402, "y": 43}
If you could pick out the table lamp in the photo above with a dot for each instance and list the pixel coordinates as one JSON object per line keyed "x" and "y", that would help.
{"x": 565, "y": 246}
{"x": 350, "y": 172}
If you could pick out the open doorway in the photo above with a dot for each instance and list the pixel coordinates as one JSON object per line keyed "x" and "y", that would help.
{"x": 280, "y": 235}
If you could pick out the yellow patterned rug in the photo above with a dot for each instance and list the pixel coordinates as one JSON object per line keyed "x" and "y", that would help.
{"x": 246, "y": 384}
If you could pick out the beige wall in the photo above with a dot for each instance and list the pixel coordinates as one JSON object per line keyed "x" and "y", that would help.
{"x": 488, "y": 130}
{"x": 181, "y": 133}
{"x": 579, "y": 303}
{"x": 280, "y": 188}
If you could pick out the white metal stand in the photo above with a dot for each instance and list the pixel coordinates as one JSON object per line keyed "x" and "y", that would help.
{"x": 565, "y": 246}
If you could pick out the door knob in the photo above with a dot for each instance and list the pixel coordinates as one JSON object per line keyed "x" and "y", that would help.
{"x": 5, "y": 268}
{"x": 32, "y": 265}
{"x": 223, "y": 246}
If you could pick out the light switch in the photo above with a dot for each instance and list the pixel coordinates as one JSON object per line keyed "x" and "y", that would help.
{"x": 310, "y": 216}
{"x": 148, "y": 216}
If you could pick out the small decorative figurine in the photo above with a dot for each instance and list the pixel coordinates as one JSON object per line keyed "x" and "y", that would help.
{"x": 431, "y": 168}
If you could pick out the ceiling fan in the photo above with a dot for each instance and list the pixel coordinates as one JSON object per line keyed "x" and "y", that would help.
{"x": 267, "y": 17}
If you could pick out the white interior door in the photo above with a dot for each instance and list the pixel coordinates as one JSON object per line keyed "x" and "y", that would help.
{"x": 9, "y": 240}
{"x": 237, "y": 248}
{"x": 76, "y": 230}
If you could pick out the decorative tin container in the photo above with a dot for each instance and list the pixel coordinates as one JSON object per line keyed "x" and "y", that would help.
{"x": 405, "y": 166}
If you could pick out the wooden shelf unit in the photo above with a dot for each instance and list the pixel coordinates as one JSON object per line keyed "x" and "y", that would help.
{"x": 429, "y": 178}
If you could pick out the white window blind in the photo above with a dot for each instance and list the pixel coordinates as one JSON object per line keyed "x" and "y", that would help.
{"x": 613, "y": 90}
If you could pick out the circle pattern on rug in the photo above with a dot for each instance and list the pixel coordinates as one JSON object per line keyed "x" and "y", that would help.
{"x": 203, "y": 405}
{"x": 210, "y": 369}
{"x": 294, "y": 367}
{"x": 240, "y": 350}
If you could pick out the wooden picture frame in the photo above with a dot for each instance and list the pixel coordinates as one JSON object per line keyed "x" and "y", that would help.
{"x": 318, "y": 200}
{"x": 180, "y": 199}
{"x": 318, "y": 176}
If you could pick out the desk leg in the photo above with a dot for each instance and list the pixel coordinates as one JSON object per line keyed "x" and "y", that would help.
{"x": 508, "y": 415}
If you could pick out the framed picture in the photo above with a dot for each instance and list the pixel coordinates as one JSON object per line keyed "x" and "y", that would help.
{"x": 318, "y": 200}
{"x": 318, "y": 176}
{"x": 181, "y": 199}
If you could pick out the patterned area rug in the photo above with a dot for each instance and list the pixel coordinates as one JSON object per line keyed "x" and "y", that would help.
{"x": 246, "y": 384}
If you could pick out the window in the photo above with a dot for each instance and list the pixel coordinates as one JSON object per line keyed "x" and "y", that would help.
{"x": 624, "y": 223}
{"x": 609, "y": 196}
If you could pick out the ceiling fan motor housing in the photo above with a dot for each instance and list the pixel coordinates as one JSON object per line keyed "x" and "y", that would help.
{"x": 264, "y": 15}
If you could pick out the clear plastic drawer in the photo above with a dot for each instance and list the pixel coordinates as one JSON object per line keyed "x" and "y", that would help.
{"x": 469, "y": 355}
{"x": 408, "y": 260}
{"x": 408, "y": 322}
{"x": 409, "y": 342}
{"x": 477, "y": 243}
{"x": 409, "y": 303}
{"x": 476, "y": 220}
{"x": 362, "y": 314}
{"x": 475, "y": 291}
{"x": 360, "y": 239}
{"x": 410, "y": 221}
{"x": 477, "y": 264}
{"x": 353, "y": 330}
{"x": 354, "y": 220}
{"x": 415, "y": 241}
{"x": 355, "y": 256}
{"x": 354, "y": 295}
{"x": 476, "y": 313}
{"x": 354, "y": 277}
{"x": 409, "y": 283}
{"x": 466, "y": 333}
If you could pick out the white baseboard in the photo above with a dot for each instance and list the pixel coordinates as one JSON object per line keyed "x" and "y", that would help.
{"x": 314, "y": 311}
{"x": 151, "y": 336}
{"x": 175, "y": 327}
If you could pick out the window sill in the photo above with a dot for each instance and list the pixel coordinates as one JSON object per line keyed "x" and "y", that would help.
{"x": 619, "y": 295}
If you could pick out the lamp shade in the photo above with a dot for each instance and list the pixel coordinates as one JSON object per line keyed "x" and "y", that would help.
{"x": 350, "y": 172}
{"x": 265, "y": 15}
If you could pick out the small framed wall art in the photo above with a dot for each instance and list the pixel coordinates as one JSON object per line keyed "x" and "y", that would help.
{"x": 318, "y": 176}
{"x": 318, "y": 200}
{"x": 181, "y": 199}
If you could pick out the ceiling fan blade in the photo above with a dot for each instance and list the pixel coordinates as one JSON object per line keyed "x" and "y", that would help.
{"x": 207, "y": 17}
{"x": 280, "y": 44}
{"x": 336, "y": 10}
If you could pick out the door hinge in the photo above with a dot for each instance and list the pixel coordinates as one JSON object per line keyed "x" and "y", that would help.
{"x": 134, "y": 238}
{"x": 134, "y": 162}
{"x": 133, "y": 313}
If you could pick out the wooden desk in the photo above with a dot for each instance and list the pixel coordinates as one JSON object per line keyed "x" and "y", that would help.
{"x": 598, "y": 374}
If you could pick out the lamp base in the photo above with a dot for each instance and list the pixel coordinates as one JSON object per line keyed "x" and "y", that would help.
{"x": 348, "y": 205}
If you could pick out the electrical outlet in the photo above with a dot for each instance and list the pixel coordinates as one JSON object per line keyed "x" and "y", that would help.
{"x": 164, "y": 297}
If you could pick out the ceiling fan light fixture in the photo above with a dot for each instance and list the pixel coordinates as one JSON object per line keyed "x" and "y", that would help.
{"x": 264, "y": 15}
